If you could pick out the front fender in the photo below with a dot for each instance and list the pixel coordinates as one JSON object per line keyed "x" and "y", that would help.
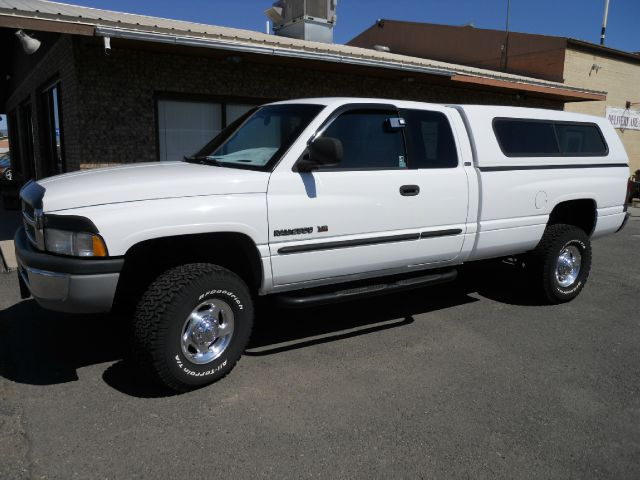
{"x": 123, "y": 225}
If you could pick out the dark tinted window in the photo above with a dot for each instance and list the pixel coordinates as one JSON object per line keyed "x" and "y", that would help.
{"x": 575, "y": 138}
{"x": 522, "y": 137}
{"x": 430, "y": 142}
{"x": 539, "y": 138}
{"x": 367, "y": 141}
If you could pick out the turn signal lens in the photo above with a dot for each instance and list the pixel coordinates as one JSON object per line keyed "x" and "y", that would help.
{"x": 76, "y": 244}
{"x": 99, "y": 248}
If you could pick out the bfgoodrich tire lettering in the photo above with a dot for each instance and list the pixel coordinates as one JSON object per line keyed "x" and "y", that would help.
{"x": 162, "y": 316}
{"x": 560, "y": 263}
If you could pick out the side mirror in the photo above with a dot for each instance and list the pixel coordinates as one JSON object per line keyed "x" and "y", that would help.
{"x": 323, "y": 152}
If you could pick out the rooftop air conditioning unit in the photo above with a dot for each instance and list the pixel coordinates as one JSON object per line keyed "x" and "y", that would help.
{"x": 304, "y": 19}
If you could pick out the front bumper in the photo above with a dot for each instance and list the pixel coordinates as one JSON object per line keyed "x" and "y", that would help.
{"x": 66, "y": 284}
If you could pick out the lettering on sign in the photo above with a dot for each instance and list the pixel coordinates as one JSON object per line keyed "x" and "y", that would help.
{"x": 624, "y": 119}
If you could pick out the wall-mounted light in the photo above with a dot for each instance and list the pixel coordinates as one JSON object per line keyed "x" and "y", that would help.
{"x": 596, "y": 67}
{"x": 29, "y": 45}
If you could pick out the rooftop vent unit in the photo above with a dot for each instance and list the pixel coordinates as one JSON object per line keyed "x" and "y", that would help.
{"x": 304, "y": 19}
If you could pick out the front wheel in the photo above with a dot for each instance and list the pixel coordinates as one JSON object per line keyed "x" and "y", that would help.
{"x": 560, "y": 263}
{"x": 192, "y": 325}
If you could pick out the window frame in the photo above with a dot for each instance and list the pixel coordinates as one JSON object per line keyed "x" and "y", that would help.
{"x": 13, "y": 126}
{"x": 553, "y": 123}
{"x": 349, "y": 108}
{"x": 26, "y": 139}
{"x": 46, "y": 124}
{"x": 222, "y": 100}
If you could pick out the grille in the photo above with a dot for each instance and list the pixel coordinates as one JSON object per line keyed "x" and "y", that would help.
{"x": 28, "y": 209}
{"x": 32, "y": 221}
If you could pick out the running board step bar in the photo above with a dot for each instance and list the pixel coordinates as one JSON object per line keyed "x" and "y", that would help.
{"x": 324, "y": 298}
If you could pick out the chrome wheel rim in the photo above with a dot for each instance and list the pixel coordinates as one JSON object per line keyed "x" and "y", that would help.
{"x": 568, "y": 266}
{"x": 207, "y": 331}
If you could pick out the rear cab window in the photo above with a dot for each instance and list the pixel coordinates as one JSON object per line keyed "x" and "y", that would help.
{"x": 519, "y": 137}
{"x": 430, "y": 142}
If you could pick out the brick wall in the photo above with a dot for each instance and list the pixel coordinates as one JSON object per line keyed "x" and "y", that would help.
{"x": 619, "y": 78}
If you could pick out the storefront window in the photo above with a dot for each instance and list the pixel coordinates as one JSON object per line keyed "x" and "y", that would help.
{"x": 185, "y": 126}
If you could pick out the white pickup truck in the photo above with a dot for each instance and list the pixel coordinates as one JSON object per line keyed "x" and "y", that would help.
{"x": 319, "y": 200}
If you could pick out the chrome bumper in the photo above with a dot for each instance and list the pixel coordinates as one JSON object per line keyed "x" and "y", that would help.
{"x": 69, "y": 293}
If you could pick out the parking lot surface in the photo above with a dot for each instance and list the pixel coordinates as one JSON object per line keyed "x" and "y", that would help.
{"x": 468, "y": 380}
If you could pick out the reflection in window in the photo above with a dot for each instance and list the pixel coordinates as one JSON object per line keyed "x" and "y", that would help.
{"x": 367, "y": 141}
{"x": 429, "y": 140}
{"x": 54, "y": 161}
{"x": 520, "y": 137}
{"x": 185, "y": 126}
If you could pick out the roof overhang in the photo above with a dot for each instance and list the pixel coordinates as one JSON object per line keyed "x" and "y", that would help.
{"x": 533, "y": 87}
{"x": 336, "y": 55}
{"x": 241, "y": 47}
{"x": 37, "y": 24}
{"x": 562, "y": 94}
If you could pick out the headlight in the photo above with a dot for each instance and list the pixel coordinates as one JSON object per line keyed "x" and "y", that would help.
{"x": 76, "y": 244}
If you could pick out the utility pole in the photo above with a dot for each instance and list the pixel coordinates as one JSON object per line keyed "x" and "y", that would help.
{"x": 505, "y": 46}
{"x": 604, "y": 21}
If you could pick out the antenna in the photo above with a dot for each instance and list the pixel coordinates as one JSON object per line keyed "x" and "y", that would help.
{"x": 504, "y": 58}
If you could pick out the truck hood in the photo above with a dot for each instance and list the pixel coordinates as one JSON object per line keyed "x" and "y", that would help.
{"x": 147, "y": 181}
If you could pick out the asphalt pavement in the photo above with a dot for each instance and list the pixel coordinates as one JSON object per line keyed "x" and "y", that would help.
{"x": 467, "y": 380}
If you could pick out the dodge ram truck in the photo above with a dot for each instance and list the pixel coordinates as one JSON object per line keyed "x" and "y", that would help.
{"x": 316, "y": 201}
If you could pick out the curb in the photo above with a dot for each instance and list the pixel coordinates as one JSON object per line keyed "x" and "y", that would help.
{"x": 8, "y": 261}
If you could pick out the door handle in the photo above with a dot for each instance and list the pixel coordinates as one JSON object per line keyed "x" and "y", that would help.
{"x": 409, "y": 190}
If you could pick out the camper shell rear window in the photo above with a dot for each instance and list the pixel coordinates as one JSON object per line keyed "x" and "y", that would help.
{"x": 522, "y": 137}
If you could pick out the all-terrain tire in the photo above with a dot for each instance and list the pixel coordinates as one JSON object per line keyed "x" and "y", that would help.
{"x": 543, "y": 263}
{"x": 159, "y": 324}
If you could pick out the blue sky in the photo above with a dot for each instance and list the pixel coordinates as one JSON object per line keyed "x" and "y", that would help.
{"x": 571, "y": 18}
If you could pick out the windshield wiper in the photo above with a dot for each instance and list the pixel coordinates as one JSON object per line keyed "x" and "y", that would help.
{"x": 202, "y": 159}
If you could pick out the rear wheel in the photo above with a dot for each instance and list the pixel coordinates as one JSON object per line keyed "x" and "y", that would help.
{"x": 192, "y": 325}
{"x": 560, "y": 264}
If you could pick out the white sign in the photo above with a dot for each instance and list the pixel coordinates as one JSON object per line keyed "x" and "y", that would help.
{"x": 624, "y": 119}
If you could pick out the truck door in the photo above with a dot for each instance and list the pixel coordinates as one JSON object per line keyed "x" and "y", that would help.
{"x": 398, "y": 199}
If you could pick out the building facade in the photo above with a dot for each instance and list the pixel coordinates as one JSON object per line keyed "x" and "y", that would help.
{"x": 592, "y": 66}
{"x": 164, "y": 88}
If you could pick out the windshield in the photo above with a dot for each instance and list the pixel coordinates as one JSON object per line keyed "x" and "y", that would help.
{"x": 258, "y": 139}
